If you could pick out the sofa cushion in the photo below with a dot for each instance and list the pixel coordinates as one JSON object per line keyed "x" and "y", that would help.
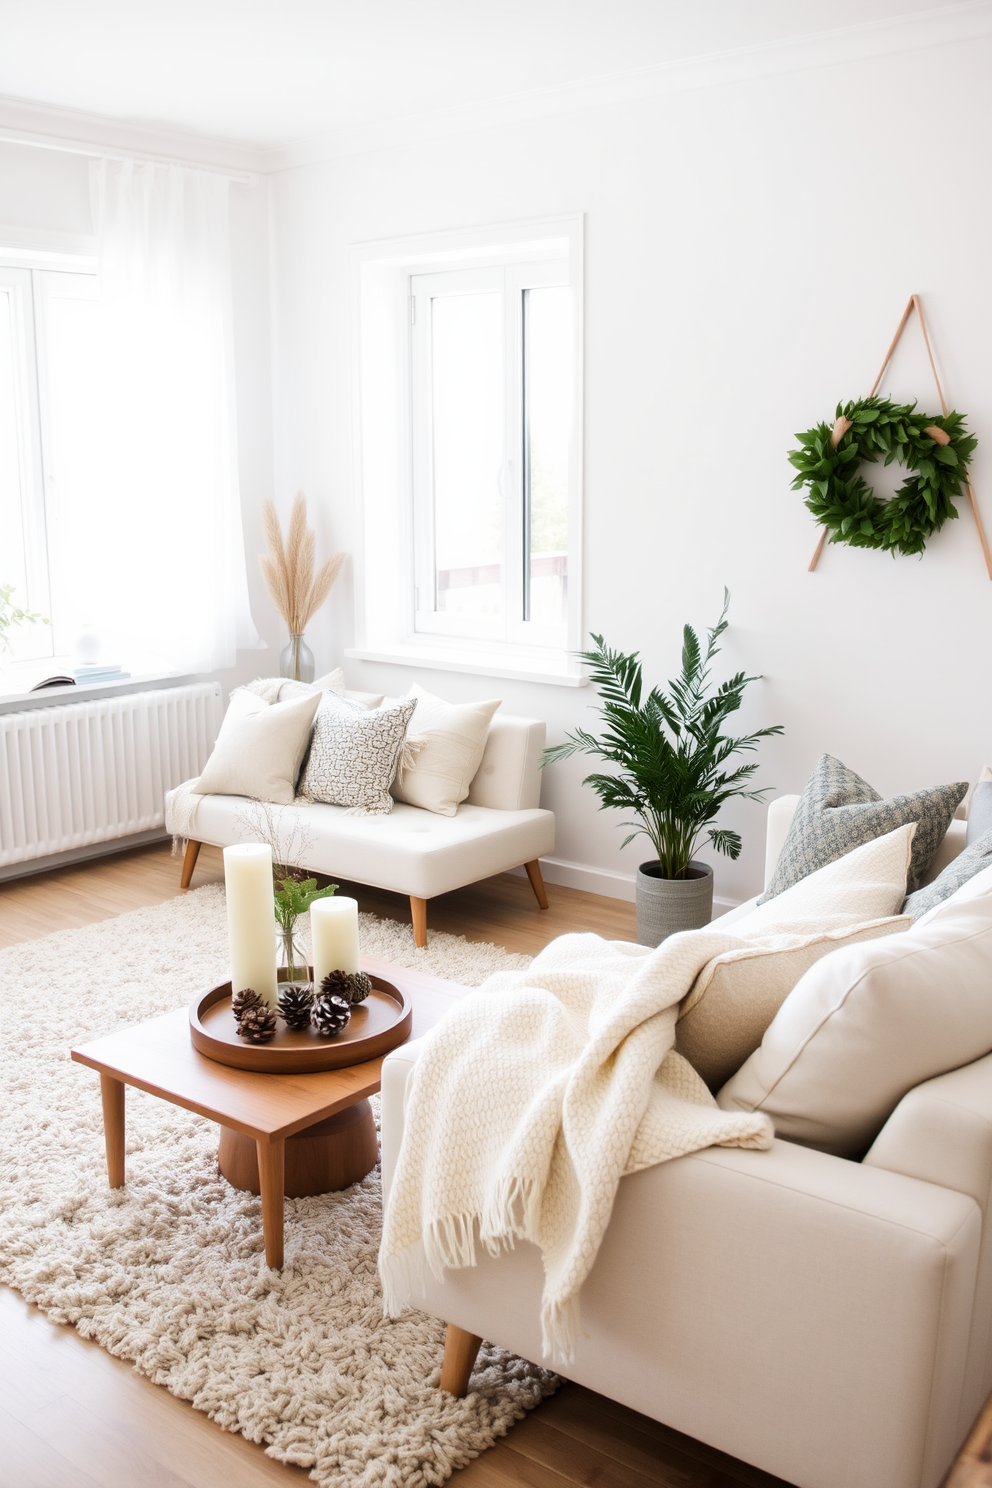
{"x": 738, "y": 993}
{"x": 451, "y": 739}
{"x": 259, "y": 748}
{"x": 866, "y": 1024}
{"x": 353, "y": 755}
{"x": 409, "y": 851}
{"x": 838, "y": 811}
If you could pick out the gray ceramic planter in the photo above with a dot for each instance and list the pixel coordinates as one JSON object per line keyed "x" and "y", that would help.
{"x": 665, "y": 905}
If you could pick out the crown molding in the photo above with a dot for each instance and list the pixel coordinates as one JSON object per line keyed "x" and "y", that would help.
{"x": 923, "y": 30}
{"x": 52, "y": 128}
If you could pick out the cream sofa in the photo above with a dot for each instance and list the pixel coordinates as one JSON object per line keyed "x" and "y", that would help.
{"x": 411, "y": 851}
{"x": 822, "y": 1319}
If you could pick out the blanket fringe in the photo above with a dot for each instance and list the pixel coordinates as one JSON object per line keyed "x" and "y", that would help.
{"x": 401, "y": 1275}
{"x": 180, "y": 811}
{"x": 561, "y": 1329}
{"x": 512, "y": 1212}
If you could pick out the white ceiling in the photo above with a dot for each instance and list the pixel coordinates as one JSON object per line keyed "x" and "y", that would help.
{"x": 268, "y": 72}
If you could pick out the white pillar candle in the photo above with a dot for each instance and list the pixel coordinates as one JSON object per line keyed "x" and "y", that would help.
{"x": 251, "y": 921}
{"x": 334, "y": 936}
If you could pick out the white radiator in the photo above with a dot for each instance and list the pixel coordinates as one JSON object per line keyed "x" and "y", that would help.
{"x": 82, "y": 773}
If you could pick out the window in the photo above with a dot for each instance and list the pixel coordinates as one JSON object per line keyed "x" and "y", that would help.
{"x": 470, "y": 446}
{"x": 47, "y": 341}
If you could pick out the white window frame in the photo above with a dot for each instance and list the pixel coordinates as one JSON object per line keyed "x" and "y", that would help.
{"x": 387, "y": 380}
{"x": 31, "y": 279}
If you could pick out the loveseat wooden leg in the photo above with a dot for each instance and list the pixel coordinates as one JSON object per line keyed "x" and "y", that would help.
{"x": 537, "y": 882}
{"x": 418, "y": 913}
{"x": 460, "y": 1350}
{"x": 189, "y": 863}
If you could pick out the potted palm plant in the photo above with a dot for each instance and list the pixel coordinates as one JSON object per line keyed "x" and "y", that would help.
{"x": 673, "y": 771}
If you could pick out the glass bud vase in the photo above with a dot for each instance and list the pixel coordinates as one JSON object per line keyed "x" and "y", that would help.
{"x": 296, "y": 660}
{"x": 291, "y": 956}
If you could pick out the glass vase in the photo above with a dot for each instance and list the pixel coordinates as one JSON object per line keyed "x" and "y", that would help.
{"x": 291, "y": 956}
{"x": 296, "y": 660}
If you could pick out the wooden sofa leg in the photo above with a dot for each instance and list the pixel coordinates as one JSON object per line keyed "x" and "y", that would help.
{"x": 189, "y": 863}
{"x": 460, "y": 1350}
{"x": 537, "y": 882}
{"x": 418, "y": 912}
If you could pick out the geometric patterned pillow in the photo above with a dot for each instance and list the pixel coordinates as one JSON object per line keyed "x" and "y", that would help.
{"x": 838, "y": 811}
{"x": 958, "y": 871}
{"x": 353, "y": 755}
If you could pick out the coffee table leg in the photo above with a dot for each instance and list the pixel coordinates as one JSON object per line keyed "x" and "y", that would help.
{"x": 112, "y": 1094}
{"x": 272, "y": 1179}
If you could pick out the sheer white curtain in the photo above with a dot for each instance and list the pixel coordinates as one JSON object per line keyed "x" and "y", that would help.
{"x": 153, "y": 550}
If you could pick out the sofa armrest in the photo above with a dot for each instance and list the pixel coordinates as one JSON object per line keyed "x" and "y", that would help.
{"x": 941, "y": 1132}
{"x": 509, "y": 776}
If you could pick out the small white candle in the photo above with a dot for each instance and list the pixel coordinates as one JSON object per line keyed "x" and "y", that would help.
{"x": 334, "y": 936}
{"x": 251, "y": 921}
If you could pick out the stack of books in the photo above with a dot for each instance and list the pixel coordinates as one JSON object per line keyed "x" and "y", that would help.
{"x": 99, "y": 671}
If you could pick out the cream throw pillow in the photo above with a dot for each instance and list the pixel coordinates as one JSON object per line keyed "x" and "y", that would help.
{"x": 259, "y": 749}
{"x": 866, "y": 1025}
{"x": 449, "y": 740}
{"x": 736, "y": 995}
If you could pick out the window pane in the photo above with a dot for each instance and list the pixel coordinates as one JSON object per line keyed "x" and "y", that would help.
{"x": 81, "y": 531}
{"x": 17, "y": 490}
{"x": 467, "y": 452}
{"x": 547, "y": 433}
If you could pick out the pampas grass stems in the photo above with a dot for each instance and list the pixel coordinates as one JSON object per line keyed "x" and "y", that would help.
{"x": 288, "y": 567}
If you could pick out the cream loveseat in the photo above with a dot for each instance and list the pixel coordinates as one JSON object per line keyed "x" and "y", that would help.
{"x": 823, "y": 1319}
{"x": 411, "y": 851}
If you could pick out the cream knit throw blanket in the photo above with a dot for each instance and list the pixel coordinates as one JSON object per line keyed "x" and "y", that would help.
{"x": 530, "y": 1101}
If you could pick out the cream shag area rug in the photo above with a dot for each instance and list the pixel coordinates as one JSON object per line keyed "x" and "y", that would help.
{"x": 170, "y": 1271}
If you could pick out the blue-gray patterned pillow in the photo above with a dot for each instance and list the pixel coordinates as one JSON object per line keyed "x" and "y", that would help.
{"x": 958, "y": 871}
{"x": 979, "y": 812}
{"x": 838, "y": 811}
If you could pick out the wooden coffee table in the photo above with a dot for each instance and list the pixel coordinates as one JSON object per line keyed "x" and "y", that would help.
{"x": 280, "y": 1134}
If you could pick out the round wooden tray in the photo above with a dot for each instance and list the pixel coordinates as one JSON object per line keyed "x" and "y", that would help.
{"x": 378, "y": 1024}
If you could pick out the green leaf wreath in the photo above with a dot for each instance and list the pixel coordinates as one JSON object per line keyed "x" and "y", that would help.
{"x": 934, "y": 449}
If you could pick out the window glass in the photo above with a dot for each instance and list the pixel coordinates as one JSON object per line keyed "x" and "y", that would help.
{"x": 547, "y": 421}
{"x": 467, "y": 452}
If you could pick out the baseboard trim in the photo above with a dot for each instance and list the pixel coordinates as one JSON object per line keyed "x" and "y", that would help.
{"x": 30, "y": 866}
{"x": 605, "y": 881}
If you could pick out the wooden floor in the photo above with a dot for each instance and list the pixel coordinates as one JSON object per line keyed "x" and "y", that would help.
{"x": 71, "y": 1416}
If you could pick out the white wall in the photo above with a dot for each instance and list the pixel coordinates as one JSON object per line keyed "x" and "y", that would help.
{"x": 750, "y": 248}
{"x": 45, "y": 194}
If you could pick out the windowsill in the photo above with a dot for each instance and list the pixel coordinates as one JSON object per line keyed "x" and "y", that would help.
{"x": 14, "y": 696}
{"x": 538, "y": 668}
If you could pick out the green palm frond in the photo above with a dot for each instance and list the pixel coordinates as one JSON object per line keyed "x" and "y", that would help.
{"x": 668, "y": 748}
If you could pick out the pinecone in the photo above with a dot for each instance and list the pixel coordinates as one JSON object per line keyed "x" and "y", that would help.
{"x": 242, "y": 1001}
{"x": 337, "y": 984}
{"x": 330, "y": 1014}
{"x": 296, "y": 1005}
{"x": 352, "y": 986}
{"x": 257, "y": 1025}
{"x": 361, "y": 986}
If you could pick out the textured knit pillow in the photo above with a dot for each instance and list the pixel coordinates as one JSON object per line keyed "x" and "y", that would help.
{"x": 738, "y": 993}
{"x": 259, "y": 749}
{"x": 354, "y": 752}
{"x": 452, "y": 741}
{"x": 838, "y": 811}
{"x": 958, "y": 871}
